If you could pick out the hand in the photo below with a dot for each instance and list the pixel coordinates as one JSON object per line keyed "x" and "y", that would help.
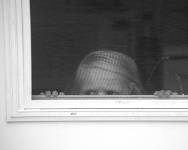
{"x": 164, "y": 93}
{"x": 52, "y": 94}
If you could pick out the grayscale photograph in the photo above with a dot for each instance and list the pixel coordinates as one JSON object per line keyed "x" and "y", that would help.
{"x": 94, "y": 74}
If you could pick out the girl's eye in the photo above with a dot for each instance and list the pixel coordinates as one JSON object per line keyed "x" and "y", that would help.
{"x": 90, "y": 93}
{"x": 107, "y": 92}
{"x": 111, "y": 93}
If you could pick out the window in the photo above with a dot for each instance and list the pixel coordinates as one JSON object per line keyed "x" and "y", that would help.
{"x": 46, "y": 41}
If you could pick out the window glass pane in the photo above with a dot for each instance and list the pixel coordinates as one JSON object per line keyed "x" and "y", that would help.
{"x": 130, "y": 47}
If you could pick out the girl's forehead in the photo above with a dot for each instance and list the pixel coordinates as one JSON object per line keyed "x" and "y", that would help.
{"x": 93, "y": 74}
{"x": 97, "y": 79}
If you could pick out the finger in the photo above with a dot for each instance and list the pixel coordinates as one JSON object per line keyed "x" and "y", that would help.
{"x": 48, "y": 93}
{"x": 42, "y": 93}
{"x": 156, "y": 93}
{"x": 168, "y": 92}
{"x": 61, "y": 93}
{"x": 174, "y": 93}
{"x": 55, "y": 93}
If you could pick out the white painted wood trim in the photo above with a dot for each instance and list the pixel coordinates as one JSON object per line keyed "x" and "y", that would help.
{"x": 21, "y": 107}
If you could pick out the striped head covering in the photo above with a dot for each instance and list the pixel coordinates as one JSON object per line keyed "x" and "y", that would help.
{"x": 112, "y": 62}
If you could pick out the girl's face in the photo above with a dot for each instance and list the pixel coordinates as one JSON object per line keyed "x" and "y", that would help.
{"x": 97, "y": 81}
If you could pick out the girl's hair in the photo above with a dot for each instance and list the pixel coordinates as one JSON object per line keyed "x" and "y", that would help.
{"x": 111, "y": 61}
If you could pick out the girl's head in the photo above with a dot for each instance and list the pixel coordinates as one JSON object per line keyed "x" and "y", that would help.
{"x": 107, "y": 73}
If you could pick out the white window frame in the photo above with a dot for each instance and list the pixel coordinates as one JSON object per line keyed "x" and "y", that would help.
{"x": 21, "y": 107}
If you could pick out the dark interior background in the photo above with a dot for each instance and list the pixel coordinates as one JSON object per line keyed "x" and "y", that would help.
{"x": 64, "y": 31}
